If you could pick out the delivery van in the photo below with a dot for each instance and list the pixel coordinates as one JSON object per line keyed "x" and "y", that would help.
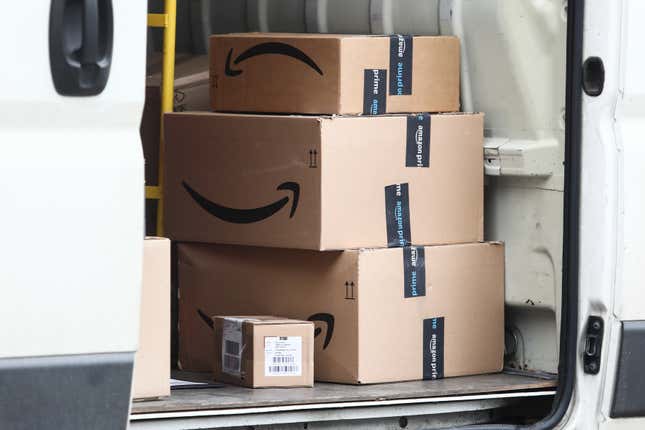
{"x": 560, "y": 84}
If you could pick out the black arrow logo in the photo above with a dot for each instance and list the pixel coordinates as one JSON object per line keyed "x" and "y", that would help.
{"x": 207, "y": 320}
{"x": 328, "y": 319}
{"x": 278, "y": 48}
{"x": 247, "y": 216}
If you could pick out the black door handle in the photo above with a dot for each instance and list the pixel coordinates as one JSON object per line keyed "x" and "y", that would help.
{"x": 80, "y": 45}
{"x": 90, "y": 42}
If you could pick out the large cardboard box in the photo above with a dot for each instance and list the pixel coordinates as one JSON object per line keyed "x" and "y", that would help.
{"x": 340, "y": 74}
{"x": 152, "y": 359}
{"x": 263, "y": 351}
{"x": 324, "y": 182}
{"x": 381, "y": 315}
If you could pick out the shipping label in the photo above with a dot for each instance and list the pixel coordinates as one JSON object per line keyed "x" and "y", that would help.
{"x": 283, "y": 356}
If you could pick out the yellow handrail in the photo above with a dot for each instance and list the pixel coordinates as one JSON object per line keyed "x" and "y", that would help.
{"x": 153, "y": 192}
{"x": 157, "y": 20}
{"x": 167, "y": 21}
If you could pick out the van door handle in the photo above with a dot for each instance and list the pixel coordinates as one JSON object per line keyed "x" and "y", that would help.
{"x": 90, "y": 41}
{"x": 80, "y": 45}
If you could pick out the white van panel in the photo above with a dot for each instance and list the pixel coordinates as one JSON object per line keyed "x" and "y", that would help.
{"x": 276, "y": 15}
{"x": 405, "y": 16}
{"x": 630, "y": 127}
{"x": 215, "y": 16}
{"x": 71, "y": 186}
{"x": 314, "y": 16}
{"x": 338, "y": 16}
{"x": 513, "y": 70}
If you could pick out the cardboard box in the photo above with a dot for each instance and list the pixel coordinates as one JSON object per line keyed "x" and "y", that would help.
{"x": 152, "y": 360}
{"x": 192, "y": 83}
{"x": 324, "y": 182}
{"x": 191, "y": 93}
{"x": 381, "y": 315}
{"x": 334, "y": 74}
{"x": 263, "y": 351}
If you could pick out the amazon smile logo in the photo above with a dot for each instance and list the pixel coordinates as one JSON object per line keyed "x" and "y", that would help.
{"x": 276, "y": 48}
{"x": 328, "y": 322}
{"x": 401, "y": 50}
{"x": 247, "y": 216}
{"x": 207, "y": 320}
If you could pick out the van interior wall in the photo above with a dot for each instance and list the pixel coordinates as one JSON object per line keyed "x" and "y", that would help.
{"x": 513, "y": 70}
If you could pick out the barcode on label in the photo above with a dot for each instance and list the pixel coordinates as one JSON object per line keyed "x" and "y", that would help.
{"x": 277, "y": 370}
{"x": 231, "y": 357}
{"x": 231, "y": 347}
{"x": 289, "y": 359}
{"x": 231, "y": 363}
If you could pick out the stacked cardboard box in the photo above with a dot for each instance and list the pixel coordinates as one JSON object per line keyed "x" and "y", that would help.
{"x": 370, "y": 226}
{"x": 382, "y": 315}
{"x": 263, "y": 351}
{"x": 152, "y": 360}
{"x": 151, "y": 372}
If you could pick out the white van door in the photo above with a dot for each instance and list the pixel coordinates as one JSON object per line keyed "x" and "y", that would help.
{"x": 609, "y": 375}
{"x": 71, "y": 214}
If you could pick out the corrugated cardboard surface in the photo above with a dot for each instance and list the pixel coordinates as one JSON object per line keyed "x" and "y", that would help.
{"x": 464, "y": 284}
{"x": 208, "y": 276}
{"x": 254, "y": 329}
{"x": 435, "y": 73}
{"x": 330, "y": 79}
{"x": 341, "y": 165}
{"x": 152, "y": 360}
{"x": 376, "y": 333}
{"x": 239, "y": 161}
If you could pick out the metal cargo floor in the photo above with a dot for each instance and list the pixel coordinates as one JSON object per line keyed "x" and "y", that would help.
{"x": 231, "y": 405}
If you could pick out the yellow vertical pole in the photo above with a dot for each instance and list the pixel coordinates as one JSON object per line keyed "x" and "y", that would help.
{"x": 167, "y": 97}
